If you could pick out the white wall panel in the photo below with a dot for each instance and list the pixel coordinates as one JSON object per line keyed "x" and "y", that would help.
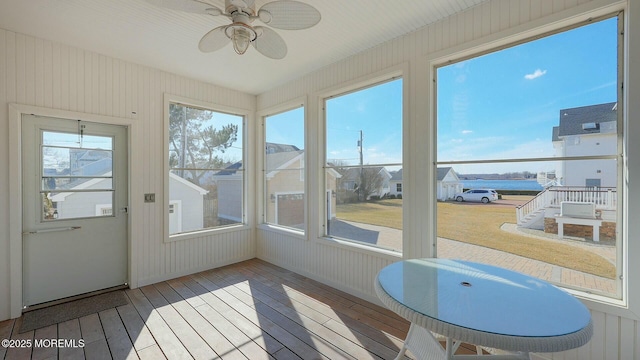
{"x": 50, "y": 75}
{"x": 344, "y": 267}
{"x": 352, "y": 269}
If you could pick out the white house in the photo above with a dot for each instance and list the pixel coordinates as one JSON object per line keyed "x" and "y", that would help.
{"x": 186, "y": 206}
{"x": 587, "y": 130}
{"x": 448, "y": 183}
{"x": 395, "y": 183}
{"x": 185, "y": 203}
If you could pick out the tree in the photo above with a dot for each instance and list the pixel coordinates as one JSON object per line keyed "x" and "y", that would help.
{"x": 371, "y": 181}
{"x": 194, "y": 144}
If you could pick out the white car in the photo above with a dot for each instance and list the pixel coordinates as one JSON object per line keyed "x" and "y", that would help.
{"x": 482, "y": 195}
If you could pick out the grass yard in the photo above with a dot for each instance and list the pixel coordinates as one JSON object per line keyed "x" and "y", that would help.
{"x": 480, "y": 225}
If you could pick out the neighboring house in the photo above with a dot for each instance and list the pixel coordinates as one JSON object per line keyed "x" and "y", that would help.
{"x": 587, "y": 130}
{"x": 185, "y": 202}
{"x": 351, "y": 180}
{"x": 72, "y": 200}
{"x": 588, "y": 184}
{"x": 395, "y": 184}
{"x": 284, "y": 188}
{"x": 229, "y": 188}
{"x": 448, "y": 183}
{"x": 186, "y": 205}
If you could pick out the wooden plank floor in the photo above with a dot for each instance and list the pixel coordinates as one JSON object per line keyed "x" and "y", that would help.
{"x": 250, "y": 310}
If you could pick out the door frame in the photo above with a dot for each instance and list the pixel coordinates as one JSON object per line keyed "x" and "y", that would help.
{"x": 134, "y": 136}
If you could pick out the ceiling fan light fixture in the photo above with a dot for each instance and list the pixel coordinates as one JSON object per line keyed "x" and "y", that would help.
{"x": 241, "y": 36}
{"x": 240, "y": 39}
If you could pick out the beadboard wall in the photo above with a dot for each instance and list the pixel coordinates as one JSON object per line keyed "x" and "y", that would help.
{"x": 50, "y": 75}
{"x": 493, "y": 23}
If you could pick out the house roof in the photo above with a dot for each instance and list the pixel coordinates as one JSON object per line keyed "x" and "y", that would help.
{"x": 442, "y": 172}
{"x": 277, "y": 148}
{"x": 188, "y": 184}
{"x": 354, "y": 172}
{"x": 396, "y": 175}
{"x": 61, "y": 196}
{"x": 572, "y": 119}
{"x": 280, "y": 160}
{"x": 231, "y": 169}
{"x": 278, "y": 156}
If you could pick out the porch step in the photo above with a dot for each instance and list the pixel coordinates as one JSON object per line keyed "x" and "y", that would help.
{"x": 531, "y": 218}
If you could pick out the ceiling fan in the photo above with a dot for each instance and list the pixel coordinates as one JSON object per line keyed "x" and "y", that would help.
{"x": 280, "y": 14}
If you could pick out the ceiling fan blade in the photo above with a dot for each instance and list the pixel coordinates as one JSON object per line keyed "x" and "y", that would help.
{"x": 269, "y": 43}
{"x": 192, "y": 6}
{"x": 214, "y": 40}
{"x": 289, "y": 15}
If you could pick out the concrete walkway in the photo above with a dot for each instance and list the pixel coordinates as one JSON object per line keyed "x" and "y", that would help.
{"x": 390, "y": 238}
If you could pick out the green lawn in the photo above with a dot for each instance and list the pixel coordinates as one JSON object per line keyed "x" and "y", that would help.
{"x": 480, "y": 225}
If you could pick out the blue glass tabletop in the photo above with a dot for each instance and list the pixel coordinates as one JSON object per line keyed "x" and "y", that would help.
{"x": 484, "y": 298}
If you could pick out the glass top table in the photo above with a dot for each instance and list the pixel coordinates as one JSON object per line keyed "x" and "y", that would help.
{"x": 484, "y": 305}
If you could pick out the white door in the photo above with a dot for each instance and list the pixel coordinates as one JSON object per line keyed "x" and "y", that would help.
{"x": 74, "y": 207}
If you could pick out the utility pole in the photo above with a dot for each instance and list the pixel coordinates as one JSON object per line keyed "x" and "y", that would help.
{"x": 361, "y": 168}
{"x": 183, "y": 143}
{"x": 360, "y": 149}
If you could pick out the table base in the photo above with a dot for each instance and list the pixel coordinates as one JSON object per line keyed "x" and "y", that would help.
{"x": 424, "y": 345}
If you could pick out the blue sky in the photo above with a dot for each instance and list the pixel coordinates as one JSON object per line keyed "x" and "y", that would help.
{"x": 502, "y": 105}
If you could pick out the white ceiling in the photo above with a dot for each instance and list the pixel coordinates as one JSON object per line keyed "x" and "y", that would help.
{"x": 139, "y": 32}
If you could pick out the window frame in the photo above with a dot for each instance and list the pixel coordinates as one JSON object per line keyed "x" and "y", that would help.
{"x": 245, "y": 114}
{"x": 263, "y": 193}
{"x": 619, "y": 305}
{"x": 400, "y": 71}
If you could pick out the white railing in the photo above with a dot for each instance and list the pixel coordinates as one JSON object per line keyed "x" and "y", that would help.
{"x": 603, "y": 198}
{"x": 538, "y": 202}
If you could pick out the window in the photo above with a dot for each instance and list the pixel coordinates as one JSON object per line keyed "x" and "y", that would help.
{"x": 540, "y": 123}
{"x": 363, "y": 153}
{"x": 284, "y": 185}
{"x": 206, "y": 170}
{"x": 77, "y": 174}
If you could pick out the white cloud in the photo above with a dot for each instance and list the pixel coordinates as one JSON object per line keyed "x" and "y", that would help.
{"x": 535, "y": 74}
{"x": 467, "y": 131}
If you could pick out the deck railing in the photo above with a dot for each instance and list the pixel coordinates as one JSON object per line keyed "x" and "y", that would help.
{"x": 603, "y": 198}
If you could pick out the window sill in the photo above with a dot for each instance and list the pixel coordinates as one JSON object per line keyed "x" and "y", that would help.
{"x": 604, "y": 304}
{"x": 283, "y": 230}
{"x": 366, "y": 249}
{"x": 205, "y": 233}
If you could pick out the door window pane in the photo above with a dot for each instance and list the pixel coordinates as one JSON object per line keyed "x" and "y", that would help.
{"x": 77, "y": 175}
